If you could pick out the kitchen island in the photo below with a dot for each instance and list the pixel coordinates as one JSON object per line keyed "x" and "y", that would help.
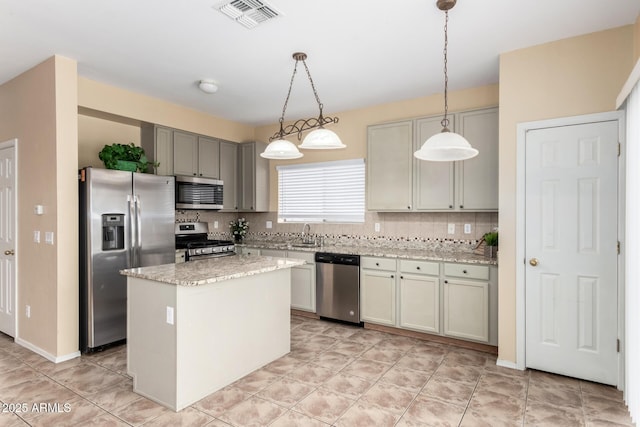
{"x": 195, "y": 327}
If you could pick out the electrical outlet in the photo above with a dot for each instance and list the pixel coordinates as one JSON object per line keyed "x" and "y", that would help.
{"x": 27, "y": 311}
{"x": 36, "y": 236}
{"x": 215, "y": 224}
{"x": 376, "y": 227}
{"x": 451, "y": 229}
{"x": 170, "y": 315}
{"x": 269, "y": 224}
{"x": 48, "y": 237}
{"x": 467, "y": 229}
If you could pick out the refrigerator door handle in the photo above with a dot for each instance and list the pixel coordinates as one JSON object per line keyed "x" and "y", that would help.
{"x": 138, "y": 218}
{"x": 132, "y": 231}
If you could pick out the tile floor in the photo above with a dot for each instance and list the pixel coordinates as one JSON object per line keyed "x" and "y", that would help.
{"x": 335, "y": 375}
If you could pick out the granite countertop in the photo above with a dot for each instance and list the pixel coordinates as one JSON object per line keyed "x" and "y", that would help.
{"x": 386, "y": 252}
{"x": 211, "y": 270}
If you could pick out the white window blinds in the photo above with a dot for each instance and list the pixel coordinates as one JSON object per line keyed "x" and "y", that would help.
{"x": 321, "y": 192}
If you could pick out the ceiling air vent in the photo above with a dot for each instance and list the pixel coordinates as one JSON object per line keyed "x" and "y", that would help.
{"x": 248, "y": 13}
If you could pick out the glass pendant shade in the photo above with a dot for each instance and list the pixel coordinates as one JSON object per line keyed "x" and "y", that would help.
{"x": 446, "y": 147}
{"x": 322, "y": 139}
{"x": 281, "y": 149}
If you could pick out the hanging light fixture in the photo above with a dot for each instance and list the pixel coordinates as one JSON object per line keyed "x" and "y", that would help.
{"x": 319, "y": 139}
{"x": 446, "y": 145}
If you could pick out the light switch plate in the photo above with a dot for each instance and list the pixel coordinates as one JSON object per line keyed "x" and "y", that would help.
{"x": 451, "y": 229}
{"x": 48, "y": 237}
{"x": 36, "y": 236}
{"x": 269, "y": 224}
{"x": 170, "y": 315}
{"x": 215, "y": 224}
{"x": 467, "y": 229}
{"x": 376, "y": 227}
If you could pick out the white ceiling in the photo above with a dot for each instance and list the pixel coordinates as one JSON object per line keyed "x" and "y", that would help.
{"x": 360, "y": 52}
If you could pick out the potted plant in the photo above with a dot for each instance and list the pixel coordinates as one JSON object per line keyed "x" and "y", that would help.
{"x": 125, "y": 157}
{"x": 491, "y": 242}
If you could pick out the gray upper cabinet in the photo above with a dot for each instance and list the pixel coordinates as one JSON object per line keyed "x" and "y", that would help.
{"x": 397, "y": 181}
{"x": 389, "y": 166}
{"x": 195, "y": 155}
{"x": 477, "y": 178}
{"x": 229, "y": 175}
{"x": 253, "y": 178}
{"x": 434, "y": 189}
{"x": 157, "y": 142}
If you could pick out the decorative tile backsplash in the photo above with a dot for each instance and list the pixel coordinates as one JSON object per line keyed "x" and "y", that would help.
{"x": 417, "y": 229}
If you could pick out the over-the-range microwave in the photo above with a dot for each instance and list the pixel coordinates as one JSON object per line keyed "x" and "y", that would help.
{"x": 198, "y": 193}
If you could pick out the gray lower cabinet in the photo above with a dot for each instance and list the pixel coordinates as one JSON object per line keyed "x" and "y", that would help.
{"x": 450, "y": 299}
{"x": 303, "y": 282}
{"x": 378, "y": 290}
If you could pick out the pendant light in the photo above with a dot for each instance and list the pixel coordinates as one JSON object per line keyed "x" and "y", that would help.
{"x": 319, "y": 139}
{"x": 446, "y": 145}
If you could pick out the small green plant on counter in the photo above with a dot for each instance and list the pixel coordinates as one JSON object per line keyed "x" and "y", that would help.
{"x": 111, "y": 154}
{"x": 491, "y": 238}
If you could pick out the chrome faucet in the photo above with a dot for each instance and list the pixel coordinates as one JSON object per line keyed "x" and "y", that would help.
{"x": 306, "y": 230}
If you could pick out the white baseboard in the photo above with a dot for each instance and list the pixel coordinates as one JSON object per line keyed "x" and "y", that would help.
{"x": 46, "y": 354}
{"x": 508, "y": 364}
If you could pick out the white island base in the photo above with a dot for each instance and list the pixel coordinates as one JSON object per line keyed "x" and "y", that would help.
{"x": 221, "y": 332}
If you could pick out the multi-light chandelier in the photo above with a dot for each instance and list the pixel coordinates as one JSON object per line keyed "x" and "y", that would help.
{"x": 318, "y": 139}
{"x": 446, "y": 145}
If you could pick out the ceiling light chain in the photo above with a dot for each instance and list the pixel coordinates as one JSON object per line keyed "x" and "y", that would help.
{"x": 303, "y": 125}
{"x": 446, "y": 146}
{"x": 445, "y": 120}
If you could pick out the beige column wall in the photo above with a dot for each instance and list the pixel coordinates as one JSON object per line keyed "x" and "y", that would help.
{"x": 575, "y": 76}
{"x": 39, "y": 108}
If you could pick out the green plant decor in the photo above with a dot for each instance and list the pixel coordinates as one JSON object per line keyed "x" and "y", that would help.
{"x": 491, "y": 238}
{"x": 113, "y": 153}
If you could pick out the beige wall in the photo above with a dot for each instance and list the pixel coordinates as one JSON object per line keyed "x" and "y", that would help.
{"x": 94, "y": 133}
{"x": 352, "y": 126}
{"x": 39, "y": 108}
{"x": 580, "y": 75}
{"x": 636, "y": 40}
{"x": 112, "y": 100}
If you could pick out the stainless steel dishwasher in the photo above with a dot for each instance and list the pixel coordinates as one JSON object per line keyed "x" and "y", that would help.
{"x": 338, "y": 286}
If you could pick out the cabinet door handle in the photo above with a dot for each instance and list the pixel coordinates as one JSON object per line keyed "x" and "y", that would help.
{"x": 446, "y": 281}
{"x": 392, "y": 276}
{"x": 409, "y": 207}
{"x": 418, "y": 268}
{"x": 450, "y": 206}
{"x": 461, "y": 207}
{"x": 464, "y": 271}
{"x": 377, "y": 264}
{"x": 402, "y": 277}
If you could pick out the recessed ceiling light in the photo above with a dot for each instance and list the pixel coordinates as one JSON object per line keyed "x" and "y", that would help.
{"x": 208, "y": 86}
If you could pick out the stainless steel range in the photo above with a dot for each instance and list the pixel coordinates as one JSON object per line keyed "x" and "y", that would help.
{"x": 191, "y": 237}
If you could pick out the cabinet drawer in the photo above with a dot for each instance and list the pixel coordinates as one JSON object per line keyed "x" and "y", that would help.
{"x": 419, "y": 267}
{"x": 479, "y": 272}
{"x": 273, "y": 252}
{"x": 249, "y": 251}
{"x": 378, "y": 263}
{"x": 309, "y": 257}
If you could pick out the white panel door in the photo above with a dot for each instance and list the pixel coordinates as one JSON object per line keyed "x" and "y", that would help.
{"x": 8, "y": 263}
{"x": 571, "y": 250}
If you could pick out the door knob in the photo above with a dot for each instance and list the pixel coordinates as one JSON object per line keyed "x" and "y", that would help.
{"x": 533, "y": 261}
{"x": 10, "y": 252}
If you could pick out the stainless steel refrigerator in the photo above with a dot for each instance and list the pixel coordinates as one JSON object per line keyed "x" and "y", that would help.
{"x": 126, "y": 220}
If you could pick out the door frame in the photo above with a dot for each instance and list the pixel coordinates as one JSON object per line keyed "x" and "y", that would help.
{"x": 3, "y": 145}
{"x": 520, "y": 238}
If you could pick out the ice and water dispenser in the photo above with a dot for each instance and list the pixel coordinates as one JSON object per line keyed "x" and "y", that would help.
{"x": 112, "y": 232}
